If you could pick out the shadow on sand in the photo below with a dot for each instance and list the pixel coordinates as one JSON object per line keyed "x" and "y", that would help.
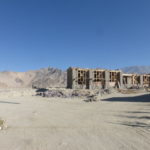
{"x": 141, "y": 121}
{"x": 6, "y": 102}
{"x": 142, "y": 98}
{"x": 135, "y": 124}
{"x": 138, "y": 118}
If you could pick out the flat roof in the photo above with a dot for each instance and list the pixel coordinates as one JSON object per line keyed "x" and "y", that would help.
{"x": 96, "y": 69}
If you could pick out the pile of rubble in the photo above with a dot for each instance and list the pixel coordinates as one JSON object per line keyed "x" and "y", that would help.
{"x": 133, "y": 90}
{"x": 62, "y": 93}
{"x": 68, "y": 93}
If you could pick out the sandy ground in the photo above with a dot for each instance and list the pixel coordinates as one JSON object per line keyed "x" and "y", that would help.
{"x": 36, "y": 123}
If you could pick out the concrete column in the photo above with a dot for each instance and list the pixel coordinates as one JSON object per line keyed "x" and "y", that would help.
{"x": 141, "y": 80}
{"x": 120, "y": 80}
{"x": 107, "y": 78}
{"x": 74, "y": 79}
{"x": 90, "y": 79}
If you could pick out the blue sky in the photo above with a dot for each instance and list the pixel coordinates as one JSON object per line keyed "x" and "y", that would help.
{"x": 83, "y": 33}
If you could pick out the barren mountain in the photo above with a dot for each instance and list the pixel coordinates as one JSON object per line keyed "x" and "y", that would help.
{"x": 137, "y": 69}
{"x": 47, "y": 77}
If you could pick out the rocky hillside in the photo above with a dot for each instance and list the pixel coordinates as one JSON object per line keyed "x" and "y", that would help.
{"x": 47, "y": 77}
{"x": 137, "y": 69}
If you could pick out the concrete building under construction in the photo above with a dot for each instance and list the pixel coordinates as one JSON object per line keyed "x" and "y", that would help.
{"x": 78, "y": 78}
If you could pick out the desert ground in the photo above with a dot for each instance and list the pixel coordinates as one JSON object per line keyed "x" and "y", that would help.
{"x": 115, "y": 122}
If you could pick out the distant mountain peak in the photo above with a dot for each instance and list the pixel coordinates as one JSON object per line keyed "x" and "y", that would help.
{"x": 137, "y": 69}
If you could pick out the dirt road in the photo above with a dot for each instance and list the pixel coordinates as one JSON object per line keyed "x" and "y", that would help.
{"x": 35, "y": 123}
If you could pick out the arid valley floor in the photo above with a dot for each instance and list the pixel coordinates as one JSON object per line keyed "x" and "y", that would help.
{"x": 115, "y": 122}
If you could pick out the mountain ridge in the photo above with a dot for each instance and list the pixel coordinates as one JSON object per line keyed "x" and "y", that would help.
{"x": 137, "y": 69}
{"x": 42, "y": 78}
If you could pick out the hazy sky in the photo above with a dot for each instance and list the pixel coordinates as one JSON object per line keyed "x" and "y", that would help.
{"x": 83, "y": 33}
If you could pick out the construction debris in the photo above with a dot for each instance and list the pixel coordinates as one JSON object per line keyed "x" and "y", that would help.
{"x": 92, "y": 98}
{"x": 67, "y": 93}
{"x": 62, "y": 93}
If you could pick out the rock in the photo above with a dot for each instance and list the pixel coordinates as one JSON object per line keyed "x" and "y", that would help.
{"x": 92, "y": 98}
{"x": 2, "y": 126}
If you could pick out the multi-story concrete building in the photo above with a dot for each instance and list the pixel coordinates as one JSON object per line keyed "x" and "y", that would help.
{"x": 78, "y": 78}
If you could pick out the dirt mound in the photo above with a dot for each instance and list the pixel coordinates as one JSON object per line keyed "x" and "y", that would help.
{"x": 43, "y": 78}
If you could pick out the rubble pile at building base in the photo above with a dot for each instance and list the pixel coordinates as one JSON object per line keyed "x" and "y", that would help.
{"x": 70, "y": 93}
{"x": 67, "y": 93}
